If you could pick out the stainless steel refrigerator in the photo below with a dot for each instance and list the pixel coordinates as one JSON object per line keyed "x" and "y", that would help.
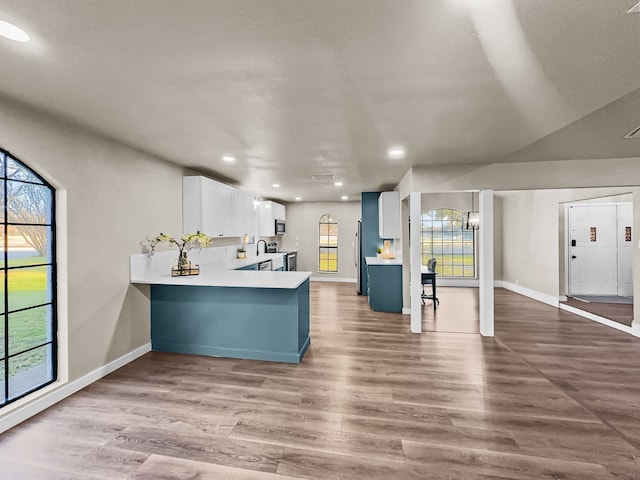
{"x": 357, "y": 248}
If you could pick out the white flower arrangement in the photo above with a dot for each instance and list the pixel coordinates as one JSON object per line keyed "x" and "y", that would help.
{"x": 186, "y": 243}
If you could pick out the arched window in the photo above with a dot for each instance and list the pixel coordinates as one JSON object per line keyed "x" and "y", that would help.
{"x": 445, "y": 239}
{"x": 28, "y": 329}
{"x": 328, "y": 242}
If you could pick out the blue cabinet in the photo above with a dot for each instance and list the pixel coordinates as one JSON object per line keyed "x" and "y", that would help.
{"x": 370, "y": 241}
{"x": 253, "y": 323}
{"x": 385, "y": 287}
{"x": 253, "y": 266}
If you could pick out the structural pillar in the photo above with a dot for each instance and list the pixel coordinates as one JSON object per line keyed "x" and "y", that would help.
{"x": 485, "y": 234}
{"x": 415, "y": 252}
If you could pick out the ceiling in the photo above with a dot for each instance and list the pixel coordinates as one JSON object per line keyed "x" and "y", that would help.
{"x": 292, "y": 88}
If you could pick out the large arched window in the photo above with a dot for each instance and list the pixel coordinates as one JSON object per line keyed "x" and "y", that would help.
{"x": 27, "y": 301}
{"x": 445, "y": 239}
{"x": 328, "y": 242}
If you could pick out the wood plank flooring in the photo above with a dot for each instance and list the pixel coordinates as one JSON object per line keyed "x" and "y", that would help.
{"x": 618, "y": 312}
{"x": 552, "y": 396}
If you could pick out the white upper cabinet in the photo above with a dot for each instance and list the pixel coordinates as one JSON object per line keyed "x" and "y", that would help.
{"x": 389, "y": 225}
{"x": 245, "y": 216}
{"x": 220, "y": 210}
{"x": 279, "y": 211}
{"x": 267, "y": 224}
{"x": 219, "y": 213}
{"x": 207, "y": 207}
{"x": 269, "y": 212}
{"x": 191, "y": 201}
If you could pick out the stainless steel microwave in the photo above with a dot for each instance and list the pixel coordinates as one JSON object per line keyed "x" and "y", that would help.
{"x": 281, "y": 227}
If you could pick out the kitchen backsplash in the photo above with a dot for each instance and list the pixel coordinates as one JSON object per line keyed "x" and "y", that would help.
{"x": 163, "y": 260}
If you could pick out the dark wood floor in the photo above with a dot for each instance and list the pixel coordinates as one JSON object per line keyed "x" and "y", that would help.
{"x": 552, "y": 396}
{"x": 618, "y": 312}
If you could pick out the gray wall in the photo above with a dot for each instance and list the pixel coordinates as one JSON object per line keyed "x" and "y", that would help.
{"x": 115, "y": 197}
{"x": 533, "y": 253}
{"x": 302, "y": 235}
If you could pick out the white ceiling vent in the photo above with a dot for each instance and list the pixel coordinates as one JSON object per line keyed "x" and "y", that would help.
{"x": 635, "y": 9}
{"x": 635, "y": 133}
{"x": 321, "y": 177}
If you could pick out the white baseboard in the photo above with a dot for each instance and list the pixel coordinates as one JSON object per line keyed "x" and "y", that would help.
{"x": 458, "y": 282}
{"x": 333, "y": 279}
{"x": 527, "y": 292}
{"x": 634, "y": 329}
{"x": 22, "y": 412}
{"x": 406, "y": 311}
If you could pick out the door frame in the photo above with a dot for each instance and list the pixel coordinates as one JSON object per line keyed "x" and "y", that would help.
{"x": 567, "y": 236}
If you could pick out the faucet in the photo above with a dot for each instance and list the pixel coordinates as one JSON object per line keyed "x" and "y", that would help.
{"x": 258, "y": 246}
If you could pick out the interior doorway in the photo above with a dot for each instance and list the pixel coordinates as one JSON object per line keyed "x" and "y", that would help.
{"x": 600, "y": 272}
{"x": 600, "y": 254}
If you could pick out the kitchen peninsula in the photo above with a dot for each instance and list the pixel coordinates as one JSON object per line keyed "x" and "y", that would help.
{"x": 227, "y": 311}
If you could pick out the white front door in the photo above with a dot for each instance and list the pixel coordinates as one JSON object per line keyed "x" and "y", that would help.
{"x": 625, "y": 250}
{"x": 593, "y": 262}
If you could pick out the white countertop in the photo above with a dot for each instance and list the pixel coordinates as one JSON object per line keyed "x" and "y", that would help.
{"x": 219, "y": 274}
{"x": 383, "y": 261}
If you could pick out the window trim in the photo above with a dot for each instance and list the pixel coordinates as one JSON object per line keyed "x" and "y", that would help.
{"x": 53, "y": 279}
{"x": 320, "y": 247}
{"x": 440, "y": 264}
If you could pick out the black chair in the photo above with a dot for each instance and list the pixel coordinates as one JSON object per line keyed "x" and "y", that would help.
{"x": 430, "y": 279}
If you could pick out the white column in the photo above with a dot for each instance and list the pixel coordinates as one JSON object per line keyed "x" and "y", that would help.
{"x": 486, "y": 263}
{"x": 635, "y": 238}
{"x": 415, "y": 253}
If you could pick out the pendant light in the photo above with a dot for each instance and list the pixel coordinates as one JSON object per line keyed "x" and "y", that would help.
{"x": 473, "y": 217}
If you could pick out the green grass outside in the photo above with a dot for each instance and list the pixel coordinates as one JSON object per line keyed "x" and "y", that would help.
{"x": 27, "y": 287}
{"x": 328, "y": 262}
{"x": 452, "y": 265}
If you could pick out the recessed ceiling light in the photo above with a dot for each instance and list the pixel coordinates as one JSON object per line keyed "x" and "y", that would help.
{"x": 229, "y": 158}
{"x": 344, "y": 197}
{"x": 276, "y": 185}
{"x": 298, "y": 199}
{"x": 338, "y": 184}
{"x": 10, "y": 31}
{"x": 396, "y": 152}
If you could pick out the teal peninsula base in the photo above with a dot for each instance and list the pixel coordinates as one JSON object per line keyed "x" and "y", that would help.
{"x": 238, "y": 322}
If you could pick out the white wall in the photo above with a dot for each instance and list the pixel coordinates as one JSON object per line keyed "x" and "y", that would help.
{"x": 115, "y": 197}
{"x": 302, "y": 235}
{"x": 533, "y": 246}
{"x": 522, "y": 176}
{"x": 532, "y": 250}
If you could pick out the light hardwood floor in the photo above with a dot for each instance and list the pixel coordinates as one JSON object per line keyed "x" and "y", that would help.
{"x": 552, "y": 396}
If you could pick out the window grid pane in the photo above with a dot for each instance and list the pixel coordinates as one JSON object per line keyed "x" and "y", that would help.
{"x": 328, "y": 244}
{"x": 28, "y": 341}
{"x": 445, "y": 239}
